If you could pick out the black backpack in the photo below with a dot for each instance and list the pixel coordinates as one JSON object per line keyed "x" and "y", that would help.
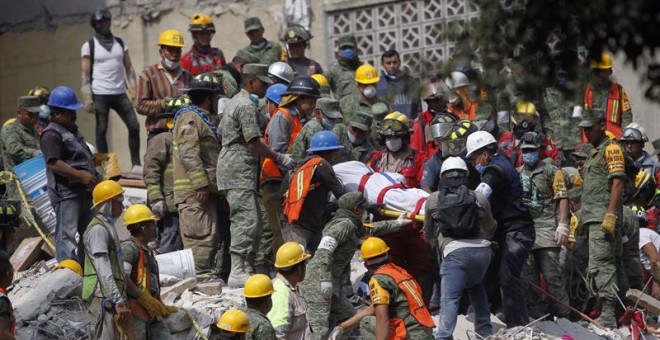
{"x": 457, "y": 214}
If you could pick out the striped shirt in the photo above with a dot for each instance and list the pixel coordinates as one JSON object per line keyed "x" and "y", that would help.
{"x": 155, "y": 85}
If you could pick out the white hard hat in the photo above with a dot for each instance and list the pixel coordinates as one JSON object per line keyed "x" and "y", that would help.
{"x": 281, "y": 70}
{"x": 457, "y": 79}
{"x": 633, "y": 136}
{"x": 478, "y": 140}
{"x": 453, "y": 163}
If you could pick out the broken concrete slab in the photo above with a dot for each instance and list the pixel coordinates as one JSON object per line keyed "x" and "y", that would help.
{"x": 645, "y": 300}
{"x": 59, "y": 284}
{"x": 178, "y": 322}
{"x": 179, "y": 288}
{"x": 209, "y": 287}
{"x": 564, "y": 326}
{"x": 26, "y": 253}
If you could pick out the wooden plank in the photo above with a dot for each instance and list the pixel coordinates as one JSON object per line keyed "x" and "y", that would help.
{"x": 131, "y": 182}
{"x": 26, "y": 253}
{"x": 179, "y": 288}
{"x": 645, "y": 301}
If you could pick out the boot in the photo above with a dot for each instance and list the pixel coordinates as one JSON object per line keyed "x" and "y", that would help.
{"x": 238, "y": 273}
{"x": 606, "y": 317}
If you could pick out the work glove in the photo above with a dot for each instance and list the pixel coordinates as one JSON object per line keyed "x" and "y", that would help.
{"x": 608, "y": 224}
{"x": 656, "y": 271}
{"x": 326, "y": 289}
{"x": 336, "y": 333}
{"x": 402, "y": 220}
{"x": 88, "y": 99}
{"x": 285, "y": 161}
{"x": 154, "y": 307}
{"x": 561, "y": 234}
{"x": 158, "y": 208}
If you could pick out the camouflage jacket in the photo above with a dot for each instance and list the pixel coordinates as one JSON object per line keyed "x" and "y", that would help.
{"x": 563, "y": 128}
{"x": 18, "y": 144}
{"x": 341, "y": 78}
{"x": 267, "y": 55}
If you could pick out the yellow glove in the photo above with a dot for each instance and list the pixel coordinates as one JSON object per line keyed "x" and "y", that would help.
{"x": 608, "y": 224}
{"x": 154, "y": 307}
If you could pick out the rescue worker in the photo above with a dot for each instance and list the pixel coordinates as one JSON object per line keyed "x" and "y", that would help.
{"x": 159, "y": 177}
{"x": 161, "y": 82}
{"x": 230, "y": 74}
{"x": 195, "y": 149}
{"x": 545, "y": 194}
{"x": 7, "y": 318}
{"x": 104, "y": 284}
{"x": 459, "y": 102}
{"x": 341, "y": 72}
{"x": 363, "y": 95}
{"x": 267, "y": 52}
{"x": 141, "y": 275}
{"x": 649, "y": 251}
{"x": 305, "y": 203}
{"x": 607, "y": 95}
{"x": 631, "y": 274}
{"x": 233, "y": 324}
{"x": 604, "y": 178}
{"x": 422, "y": 138}
{"x": 397, "y": 87}
{"x": 396, "y": 297}
{"x": 280, "y": 73}
{"x": 297, "y": 38}
{"x": 289, "y": 313}
{"x": 397, "y": 155}
{"x": 327, "y": 115}
{"x": 562, "y": 126}
{"x": 237, "y": 174}
{"x": 500, "y": 183}
{"x": 324, "y": 87}
{"x": 464, "y": 258}
{"x": 656, "y": 147}
{"x": 525, "y": 119}
{"x": 273, "y": 98}
{"x": 70, "y": 172}
{"x": 355, "y": 138}
{"x": 331, "y": 265}
{"x": 580, "y": 156}
{"x": 44, "y": 111}
{"x": 257, "y": 292}
{"x": 633, "y": 139}
{"x": 202, "y": 57}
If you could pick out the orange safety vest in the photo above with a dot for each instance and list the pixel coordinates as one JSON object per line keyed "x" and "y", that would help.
{"x": 269, "y": 169}
{"x": 143, "y": 281}
{"x": 300, "y": 185}
{"x": 614, "y": 108}
{"x": 413, "y": 293}
{"x": 12, "y": 318}
{"x": 462, "y": 114}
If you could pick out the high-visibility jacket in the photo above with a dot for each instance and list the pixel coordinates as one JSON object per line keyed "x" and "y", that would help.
{"x": 616, "y": 104}
{"x": 413, "y": 293}
{"x": 142, "y": 280}
{"x": 300, "y": 185}
{"x": 12, "y": 319}
{"x": 269, "y": 169}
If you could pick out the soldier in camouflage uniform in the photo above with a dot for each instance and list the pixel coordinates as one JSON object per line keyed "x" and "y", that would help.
{"x": 267, "y": 52}
{"x": 158, "y": 176}
{"x": 238, "y": 170}
{"x": 341, "y": 73}
{"x": 355, "y": 138}
{"x": 230, "y": 74}
{"x": 545, "y": 194}
{"x": 326, "y": 117}
{"x": 257, "y": 292}
{"x": 195, "y": 154}
{"x": 604, "y": 178}
{"x": 562, "y": 127}
{"x": 330, "y": 266}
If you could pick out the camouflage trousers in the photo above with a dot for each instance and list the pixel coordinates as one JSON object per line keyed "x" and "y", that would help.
{"x": 323, "y": 314}
{"x": 602, "y": 267}
{"x": 199, "y": 231}
{"x": 246, "y": 214}
{"x": 631, "y": 275}
{"x": 271, "y": 237}
{"x": 546, "y": 261}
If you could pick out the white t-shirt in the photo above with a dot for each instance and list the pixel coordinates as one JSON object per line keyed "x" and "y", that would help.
{"x": 646, "y": 236}
{"x": 108, "y": 69}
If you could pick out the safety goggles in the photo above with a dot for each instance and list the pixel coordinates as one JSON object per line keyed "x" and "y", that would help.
{"x": 394, "y": 125}
{"x": 101, "y": 14}
{"x": 453, "y": 147}
{"x": 632, "y": 135}
{"x": 439, "y": 130}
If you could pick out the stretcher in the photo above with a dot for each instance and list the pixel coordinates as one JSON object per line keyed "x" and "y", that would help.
{"x": 383, "y": 188}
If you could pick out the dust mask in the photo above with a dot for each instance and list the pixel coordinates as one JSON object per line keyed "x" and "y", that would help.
{"x": 394, "y": 144}
{"x": 369, "y": 91}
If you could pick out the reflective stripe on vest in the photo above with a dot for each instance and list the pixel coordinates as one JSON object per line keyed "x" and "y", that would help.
{"x": 614, "y": 109}
{"x": 142, "y": 280}
{"x": 413, "y": 293}
{"x": 269, "y": 169}
{"x": 299, "y": 187}
{"x": 90, "y": 278}
{"x": 12, "y": 319}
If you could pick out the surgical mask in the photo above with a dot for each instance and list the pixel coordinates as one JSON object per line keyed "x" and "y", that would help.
{"x": 255, "y": 99}
{"x": 348, "y": 54}
{"x": 369, "y": 91}
{"x": 260, "y": 45}
{"x": 392, "y": 76}
{"x": 394, "y": 144}
{"x": 170, "y": 65}
{"x": 530, "y": 158}
{"x": 354, "y": 140}
{"x": 480, "y": 168}
{"x": 44, "y": 111}
{"x": 327, "y": 124}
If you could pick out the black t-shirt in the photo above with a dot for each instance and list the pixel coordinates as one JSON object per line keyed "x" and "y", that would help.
{"x": 51, "y": 145}
{"x": 504, "y": 211}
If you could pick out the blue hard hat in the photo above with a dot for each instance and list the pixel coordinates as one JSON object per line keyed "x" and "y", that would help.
{"x": 324, "y": 140}
{"x": 65, "y": 98}
{"x": 274, "y": 93}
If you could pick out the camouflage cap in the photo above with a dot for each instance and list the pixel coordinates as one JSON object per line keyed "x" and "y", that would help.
{"x": 252, "y": 23}
{"x": 350, "y": 200}
{"x": 656, "y": 146}
{"x": 258, "y": 70}
{"x": 591, "y": 117}
{"x": 29, "y": 103}
{"x": 379, "y": 110}
{"x": 583, "y": 152}
{"x": 530, "y": 140}
{"x": 247, "y": 56}
{"x": 346, "y": 40}
{"x": 575, "y": 194}
{"x": 329, "y": 107}
{"x": 361, "y": 120}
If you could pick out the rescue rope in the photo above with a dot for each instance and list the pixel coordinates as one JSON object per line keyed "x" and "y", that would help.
{"x": 198, "y": 328}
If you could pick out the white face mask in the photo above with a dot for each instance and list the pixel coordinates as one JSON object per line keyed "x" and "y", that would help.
{"x": 369, "y": 91}
{"x": 354, "y": 140}
{"x": 170, "y": 65}
{"x": 394, "y": 144}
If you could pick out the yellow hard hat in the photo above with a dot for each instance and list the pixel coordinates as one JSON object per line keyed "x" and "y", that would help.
{"x": 605, "y": 62}
{"x": 321, "y": 79}
{"x": 171, "y": 38}
{"x": 372, "y": 247}
{"x": 137, "y": 213}
{"x": 201, "y": 22}
{"x": 524, "y": 112}
{"x": 258, "y": 285}
{"x": 234, "y": 321}
{"x": 366, "y": 74}
{"x": 106, "y": 191}
{"x": 395, "y": 124}
{"x": 290, "y": 254}
{"x": 71, "y": 265}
